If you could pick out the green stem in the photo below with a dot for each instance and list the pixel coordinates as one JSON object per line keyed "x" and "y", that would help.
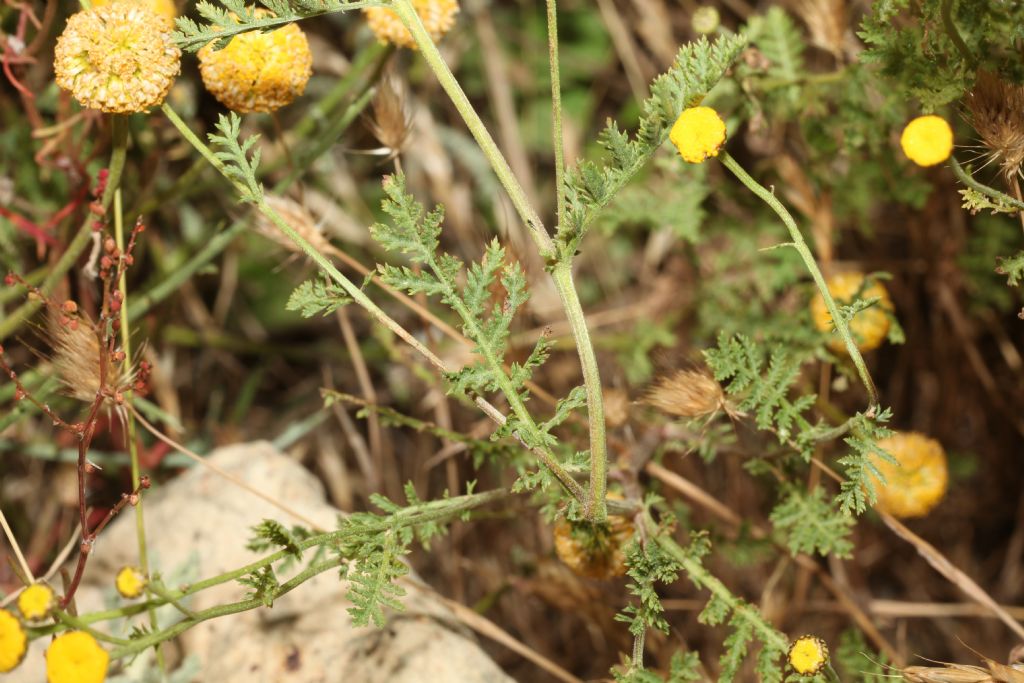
{"x": 595, "y": 508}
{"x": 968, "y": 180}
{"x": 119, "y": 142}
{"x": 78, "y": 624}
{"x": 406, "y": 12}
{"x": 954, "y": 33}
{"x": 133, "y": 445}
{"x": 556, "y": 110}
{"x": 769, "y": 198}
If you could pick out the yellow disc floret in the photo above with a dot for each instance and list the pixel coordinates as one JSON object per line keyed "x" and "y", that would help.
{"x": 130, "y": 582}
{"x": 808, "y": 655}
{"x": 438, "y": 17}
{"x": 13, "y": 641}
{"x": 76, "y": 657}
{"x": 258, "y": 72}
{"x": 870, "y": 326}
{"x": 36, "y": 602}
{"x": 165, "y": 8}
{"x": 915, "y": 485}
{"x": 118, "y": 58}
{"x": 698, "y": 133}
{"x": 927, "y": 140}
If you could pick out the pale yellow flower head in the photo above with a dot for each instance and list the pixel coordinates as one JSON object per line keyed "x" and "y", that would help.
{"x": 698, "y": 133}
{"x": 438, "y": 17}
{"x": 915, "y": 485}
{"x": 927, "y": 140}
{"x": 76, "y": 657}
{"x": 870, "y": 326}
{"x": 118, "y": 58}
{"x": 36, "y": 602}
{"x": 808, "y": 655}
{"x": 165, "y": 8}
{"x": 130, "y": 582}
{"x": 13, "y": 641}
{"x": 258, "y": 71}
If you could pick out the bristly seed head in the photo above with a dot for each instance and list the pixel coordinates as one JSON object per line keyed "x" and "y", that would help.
{"x": 688, "y": 393}
{"x": 997, "y": 113}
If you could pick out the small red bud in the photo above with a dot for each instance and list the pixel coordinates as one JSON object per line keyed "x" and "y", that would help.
{"x": 73, "y": 325}
{"x": 10, "y": 280}
{"x": 129, "y": 259}
{"x": 118, "y": 356}
{"x": 97, "y": 208}
{"x": 19, "y": 394}
{"x": 109, "y": 245}
{"x": 89, "y": 467}
{"x": 144, "y": 482}
{"x": 70, "y": 307}
{"x": 97, "y": 226}
{"x": 105, "y": 263}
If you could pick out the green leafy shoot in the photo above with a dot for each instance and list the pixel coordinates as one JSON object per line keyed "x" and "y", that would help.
{"x": 317, "y": 296}
{"x": 589, "y": 187}
{"x": 263, "y": 585}
{"x": 857, "y": 491}
{"x": 1012, "y": 267}
{"x": 234, "y": 156}
{"x": 809, "y": 524}
{"x": 231, "y": 17}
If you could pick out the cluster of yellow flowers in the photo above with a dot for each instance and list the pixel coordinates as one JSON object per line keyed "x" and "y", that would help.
{"x": 438, "y": 17}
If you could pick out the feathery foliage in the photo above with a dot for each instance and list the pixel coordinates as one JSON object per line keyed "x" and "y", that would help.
{"x": 317, "y": 296}
{"x": 809, "y": 524}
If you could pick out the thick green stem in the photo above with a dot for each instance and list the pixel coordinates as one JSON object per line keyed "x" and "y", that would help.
{"x": 798, "y": 243}
{"x": 406, "y": 12}
{"x": 556, "y": 110}
{"x": 119, "y": 137}
{"x": 596, "y": 508}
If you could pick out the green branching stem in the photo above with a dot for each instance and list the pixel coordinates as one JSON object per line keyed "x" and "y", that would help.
{"x": 968, "y": 180}
{"x": 546, "y": 246}
{"x": 798, "y": 243}
{"x": 954, "y": 33}
{"x": 556, "y": 109}
{"x": 119, "y": 138}
{"x": 249, "y": 189}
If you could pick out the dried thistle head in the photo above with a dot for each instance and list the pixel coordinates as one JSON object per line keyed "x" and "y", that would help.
{"x": 688, "y": 393}
{"x": 392, "y": 118}
{"x": 298, "y": 218}
{"x": 997, "y": 113}
{"x": 76, "y": 359}
{"x": 826, "y": 21}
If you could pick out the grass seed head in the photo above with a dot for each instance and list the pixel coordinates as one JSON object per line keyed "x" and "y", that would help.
{"x": 392, "y": 121}
{"x": 117, "y": 58}
{"x": 687, "y": 393}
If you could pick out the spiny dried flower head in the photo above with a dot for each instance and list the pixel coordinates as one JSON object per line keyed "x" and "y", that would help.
{"x": 298, "y": 219}
{"x": 165, "y": 8}
{"x": 698, "y": 133}
{"x": 438, "y": 17}
{"x": 808, "y": 655}
{"x": 688, "y": 393}
{"x": 997, "y": 113}
{"x": 117, "y": 58}
{"x": 868, "y": 327}
{"x": 927, "y": 140}
{"x": 130, "y": 582}
{"x": 917, "y": 483}
{"x": 76, "y": 358}
{"x": 258, "y": 72}
{"x": 36, "y": 602}
{"x": 76, "y": 657}
{"x": 392, "y": 120}
{"x": 595, "y": 550}
{"x": 13, "y": 642}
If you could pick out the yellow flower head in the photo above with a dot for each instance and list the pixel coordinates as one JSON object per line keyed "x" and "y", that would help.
{"x": 36, "y": 602}
{"x": 258, "y": 71}
{"x": 165, "y": 8}
{"x": 927, "y": 140}
{"x": 698, "y": 133}
{"x": 438, "y": 17}
{"x": 595, "y": 550}
{"x": 130, "y": 582}
{"x": 869, "y": 327}
{"x": 808, "y": 655}
{"x": 76, "y": 657}
{"x": 118, "y": 58}
{"x": 13, "y": 641}
{"x": 916, "y": 485}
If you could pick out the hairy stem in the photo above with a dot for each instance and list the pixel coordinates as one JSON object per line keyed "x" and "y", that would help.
{"x": 798, "y": 243}
{"x": 557, "y": 142}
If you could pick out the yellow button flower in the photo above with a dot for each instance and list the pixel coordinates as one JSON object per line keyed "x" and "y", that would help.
{"x": 438, "y": 17}
{"x": 698, "y": 133}
{"x": 869, "y": 327}
{"x": 258, "y": 72}
{"x": 118, "y": 58}
{"x": 916, "y": 485}
{"x": 36, "y": 602}
{"x": 808, "y": 655}
{"x": 927, "y": 140}
{"x": 76, "y": 657}
{"x": 130, "y": 582}
{"x": 165, "y": 8}
{"x": 595, "y": 550}
{"x": 13, "y": 641}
